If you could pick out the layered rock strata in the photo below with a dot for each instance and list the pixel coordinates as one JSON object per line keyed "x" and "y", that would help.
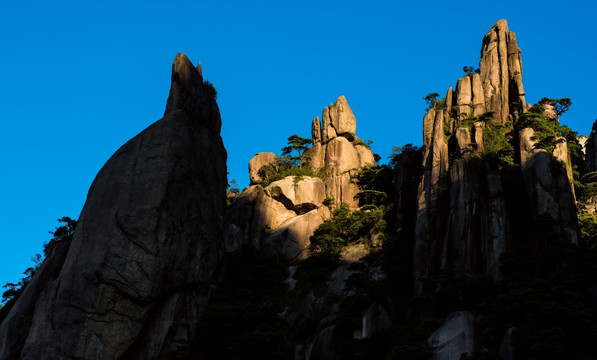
{"x": 134, "y": 280}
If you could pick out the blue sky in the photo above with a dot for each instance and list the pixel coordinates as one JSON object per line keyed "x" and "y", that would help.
{"x": 78, "y": 79}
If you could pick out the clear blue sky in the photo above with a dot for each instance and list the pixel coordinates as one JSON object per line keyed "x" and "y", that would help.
{"x": 78, "y": 79}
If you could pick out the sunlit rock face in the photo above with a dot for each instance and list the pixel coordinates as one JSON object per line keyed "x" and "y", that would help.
{"x": 279, "y": 218}
{"x": 135, "y": 278}
{"x": 464, "y": 205}
{"x": 337, "y": 149}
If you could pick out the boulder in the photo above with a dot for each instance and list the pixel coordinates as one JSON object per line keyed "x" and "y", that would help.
{"x": 268, "y": 215}
{"x": 300, "y": 196}
{"x": 290, "y": 240}
{"x": 257, "y": 162}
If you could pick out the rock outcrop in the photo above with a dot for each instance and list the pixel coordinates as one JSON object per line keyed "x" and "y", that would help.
{"x": 134, "y": 280}
{"x": 277, "y": 220}
{"x": 337, "y": 148}
{"x": 548, "y": 184}
{"x": 501, "y": 73}
{"x": 259, "y": 161}
{"x": 464, "y": 210}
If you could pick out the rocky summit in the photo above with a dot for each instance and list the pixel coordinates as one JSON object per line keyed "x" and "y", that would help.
{"x": 480, "y": 244}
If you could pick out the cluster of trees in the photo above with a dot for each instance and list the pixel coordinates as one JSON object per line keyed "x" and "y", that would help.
{"x": 290, "y": 163}
{"x": 60, "y": 234}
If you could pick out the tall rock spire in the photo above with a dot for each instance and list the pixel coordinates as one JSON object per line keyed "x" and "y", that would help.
{"x": 501, "y": 73}
{"x": 133, "y": 281}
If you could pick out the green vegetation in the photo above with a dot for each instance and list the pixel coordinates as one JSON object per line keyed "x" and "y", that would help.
{"x": 328, "y": 201}
{"x": 469, "y": 70}
{"x": 211, "y": 90}
{"x": 497, "y": 144}
{"x": 400, "y": 151}
{"x": 233, "y": 187}
{"x": 60, "y": 234}
{"x": 434, "y": 103}
{"x": 295, "y": 144}
{"x": 560, "y": 106}
{"x": 283, "y": 169}
{"x": 587, "y": 224}
{"x": 547, "y": 133}
{"x": 289, "y": 164}
{"x": 347, "y": 227}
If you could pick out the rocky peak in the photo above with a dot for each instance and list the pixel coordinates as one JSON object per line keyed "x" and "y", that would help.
{"x": 461, "y": 200}
{"x": 338, "y": 120}
{"x": 189, "y": 92}
{"x": 501, "y": 73}
{"x": 133, "y": 281}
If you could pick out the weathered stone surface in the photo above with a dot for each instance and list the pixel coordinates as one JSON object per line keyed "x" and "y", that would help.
{"x": 548, "y": 190}
{"x": 527, "y": 145}
{"x": 455, "y": 337}
{"x": 449, "y": 99}
{"x": 365, "y": 156}
{"x": 478, "y": 135}
{"x": 238, "y": 218}
{"x": 269, "y": 214}
{"x": 477, "y": 95}
{"x": 342, "y": 118}
{"x": 300, "y": 196}
{"x": 464, "y": 98}
{"x": 353, "y": 253}
{"x": 478, "y": 221}
{"x": 290, "y": 241}
{"x": 314, "y": 157}
{"x": 428, "y": 122}
{"x": 501, "y": 73}
{"x": 316, "y": 130}
{"x": 340, "y": 158}
{"x": 329, "y": 132}
{"x": 257, "y": 162}
{"x": 136, "y": 275}
{"x": 435, "y": 164}
{"x": 463, "y": 140}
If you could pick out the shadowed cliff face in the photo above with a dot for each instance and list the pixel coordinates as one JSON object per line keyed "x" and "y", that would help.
{"x": 136, "y": 276}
